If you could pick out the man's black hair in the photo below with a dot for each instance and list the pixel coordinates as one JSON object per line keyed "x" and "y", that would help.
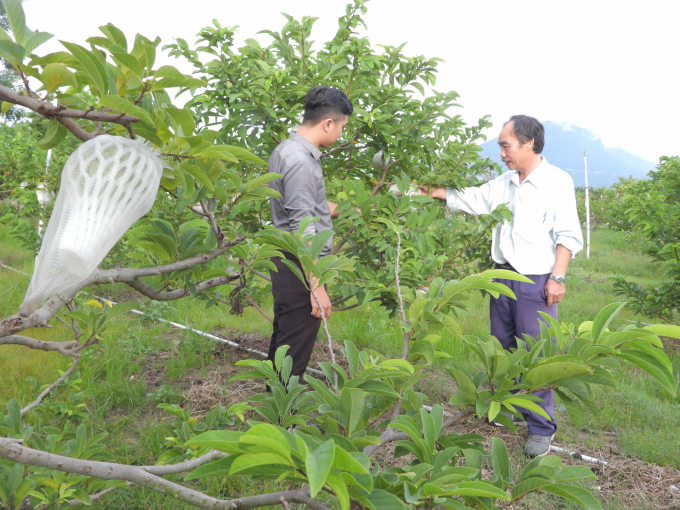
{"x": 324, "y": 103}
{"x": 527, "y": 128}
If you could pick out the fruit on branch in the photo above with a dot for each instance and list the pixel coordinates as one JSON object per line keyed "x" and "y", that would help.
{"x": 107, "y": 184}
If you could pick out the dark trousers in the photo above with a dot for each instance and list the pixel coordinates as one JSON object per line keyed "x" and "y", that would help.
{"x": 511, "y": 318}
{"x": 293, "y": 321}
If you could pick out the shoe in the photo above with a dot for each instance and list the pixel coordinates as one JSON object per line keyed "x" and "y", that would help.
{"x": 515, "y": 419}
{"x": 537, "y": 446}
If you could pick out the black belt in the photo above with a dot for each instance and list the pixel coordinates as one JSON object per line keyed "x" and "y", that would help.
{"x": 506, "y": 266}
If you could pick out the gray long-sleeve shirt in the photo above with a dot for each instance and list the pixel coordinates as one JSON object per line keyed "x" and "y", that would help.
{"x": 302, "y": 188}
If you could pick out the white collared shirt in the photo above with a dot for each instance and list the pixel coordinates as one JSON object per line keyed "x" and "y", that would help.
{"x": 543, "y": 215}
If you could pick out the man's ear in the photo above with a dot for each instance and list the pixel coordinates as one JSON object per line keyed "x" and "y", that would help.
{"x": 327, "y": 125}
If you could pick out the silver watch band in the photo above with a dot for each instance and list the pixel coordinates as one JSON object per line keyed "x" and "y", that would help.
{"x": 558, "y": 279}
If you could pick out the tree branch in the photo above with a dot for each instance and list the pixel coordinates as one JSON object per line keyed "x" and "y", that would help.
{"x": 38, "y": 318}
{"x": 261, "y": 275}
{"x": 328, "y": 335}
{"x": 146, "y": 289}
{"x": 257, "y": 307}
{"x": 60, "y": 347}
{"x": 63, "y": 114}
{"x": 12, "y": 449}
{"x": 49, "y": 389}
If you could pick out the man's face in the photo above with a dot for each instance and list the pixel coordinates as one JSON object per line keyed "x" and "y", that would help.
{"x": 512, "y": 153}
{"x": 333, "y": 131}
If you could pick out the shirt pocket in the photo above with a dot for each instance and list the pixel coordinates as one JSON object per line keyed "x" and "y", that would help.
{"x": 534, "y": 220}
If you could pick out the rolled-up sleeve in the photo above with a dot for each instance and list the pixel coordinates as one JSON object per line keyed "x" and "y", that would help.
{"x": 471, "y": 200}
{"x": 299, "y": 194}
{"x": 567, "y": 229}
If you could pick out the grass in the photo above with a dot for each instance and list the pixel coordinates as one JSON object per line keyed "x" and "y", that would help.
{"x": 119, "y": 403}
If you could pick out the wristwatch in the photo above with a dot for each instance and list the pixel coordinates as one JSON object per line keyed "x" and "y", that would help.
{"x": 558, "y": 279}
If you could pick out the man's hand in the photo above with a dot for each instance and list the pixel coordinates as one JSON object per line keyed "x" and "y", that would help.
{"x": 433, "y": 191}
{"x": 554, "y": 292}
{"x": 325, "y": 303}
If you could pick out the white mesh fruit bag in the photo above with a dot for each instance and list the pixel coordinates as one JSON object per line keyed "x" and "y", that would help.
{"x": 107, "y": 184}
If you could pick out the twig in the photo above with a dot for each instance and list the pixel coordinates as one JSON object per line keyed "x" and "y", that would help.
{"x": 328, "y": 335}
{"x": 64, "y": 348}
{"x": 407, "y": 323}
{"x": 256, "y": 306}
{"x": 49, "y": 389}
{"x": 218, "y": 233}
{"x": 261, "y": 275}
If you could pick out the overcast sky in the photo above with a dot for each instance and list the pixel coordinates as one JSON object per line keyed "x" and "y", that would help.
{"x": 601, "y": 65}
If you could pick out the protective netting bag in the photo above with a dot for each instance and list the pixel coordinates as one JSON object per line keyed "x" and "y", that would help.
{"x": 107, "y": 184}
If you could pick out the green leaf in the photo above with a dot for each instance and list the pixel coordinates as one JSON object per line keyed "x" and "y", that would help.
{"x": 259, "y": 181}
{"x": 280, "y": 355}
{"x": 343, "y": 460}
{"x": 131, "y": 63}
{"x": 653, "y": 367}
{"x": 668, "y": 330}
{"x": 574, "y": 409}
{"x": 505, "y": 275}
{"x": 23, "y": 490}
{"x": 319, "y": 243}
{"x": 518, "y": 401}
{"x": 296, "y": 270}
{"x": 339, "y": 487}
{"x": 119, "y": 309}
{"x": 12, "y": 52}
{"x": 57, "y": 75}
{"x": 17, "y": 20}
{"x": 604, "y": 318}
{"x": 126, "y": 106}
{"x": 5, "y": 106}
{"x": 499, "y": 458}
{"x": 317, "y": 466}
{"x": 233, "y": 154}
{"x": 529, "y": 485}
{"x": 220, "y": 467}
{"x": 220, "y": 440}
{"x": 35, "y": 39}
{"x": 479, "y": 489}
{"x": 168, "y": 456}
{"x": 466, "y": 387}
{"x": 55, "y": 133}
{"x": 250, "y": 461}
{"x": 182, "y": 118}
{"x": 571, "y": 473}
{"x": 575, "y": 494}
{"x": 91, "y": 65}
{"x": 198, "y": 174}
{"x": 558, "y": 367}
{"x": 379, "y": 499}
{"x": 114, "y": 34}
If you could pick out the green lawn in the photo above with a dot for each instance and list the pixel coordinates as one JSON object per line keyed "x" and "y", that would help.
{"x": 119, "y": 403}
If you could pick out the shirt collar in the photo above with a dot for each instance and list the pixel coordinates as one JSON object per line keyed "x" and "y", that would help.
{"x": 313, "y": 149}
{"x": 536, "y": 177}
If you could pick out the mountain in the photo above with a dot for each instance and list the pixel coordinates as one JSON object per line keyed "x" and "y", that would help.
{"x": 564, "y": 146}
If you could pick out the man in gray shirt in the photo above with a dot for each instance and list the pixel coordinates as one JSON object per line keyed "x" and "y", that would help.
{"x": 297, "y": 317}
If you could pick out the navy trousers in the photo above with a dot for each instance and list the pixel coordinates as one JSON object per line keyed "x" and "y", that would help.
{"x": 511, "y": 318}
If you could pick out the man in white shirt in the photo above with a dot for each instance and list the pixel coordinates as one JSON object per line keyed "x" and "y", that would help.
{"x": 538, "y": 242}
